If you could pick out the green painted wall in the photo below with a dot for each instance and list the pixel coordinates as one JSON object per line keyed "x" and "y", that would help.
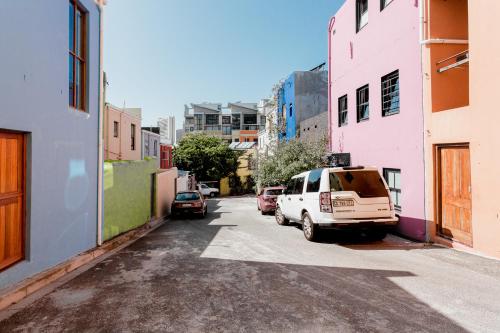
{"x": 127, "y": 195}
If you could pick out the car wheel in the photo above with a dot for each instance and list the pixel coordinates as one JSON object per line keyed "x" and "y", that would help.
{"x": 309, "y": 228}
{"x": 280, "y": 218}
{"x": 212, "y": 194}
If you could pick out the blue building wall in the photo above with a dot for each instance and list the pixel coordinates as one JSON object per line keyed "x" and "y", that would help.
{"x": 289, "y": 100}
{"x": 61, "y": 215}
{"x": 303, "y": 95}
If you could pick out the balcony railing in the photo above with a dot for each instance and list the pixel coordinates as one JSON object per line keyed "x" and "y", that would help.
{"x": 212, "y": 127}
{"x": 453, "y": 61}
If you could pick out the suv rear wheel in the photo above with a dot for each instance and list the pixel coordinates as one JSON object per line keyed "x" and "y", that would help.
{"x": 280, "y": 218}
{"x": 309, "y": 228}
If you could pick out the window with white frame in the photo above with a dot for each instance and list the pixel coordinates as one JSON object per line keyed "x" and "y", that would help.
{"x": 342, "y": 111}
{"x": 393, "y": 179}
{"x": 361, "y": 14}
{"x": 363, "y": 103}
{"x": 390, "y": 94}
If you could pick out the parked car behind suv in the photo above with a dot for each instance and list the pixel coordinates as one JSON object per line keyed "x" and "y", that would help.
{"x": 189, "y": 202}
{"x": 266, "y": 199}
{"x": 349, "y": 197}
{"x": 208, "y": 191}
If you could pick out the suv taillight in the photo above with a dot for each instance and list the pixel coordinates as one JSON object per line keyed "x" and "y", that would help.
{"x": 325, "y": 202}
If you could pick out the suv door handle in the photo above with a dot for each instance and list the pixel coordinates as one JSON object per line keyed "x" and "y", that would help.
{"x": 301, "y": 199}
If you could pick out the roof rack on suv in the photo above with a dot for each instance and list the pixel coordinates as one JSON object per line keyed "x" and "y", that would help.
{"x": 359, "y": 167}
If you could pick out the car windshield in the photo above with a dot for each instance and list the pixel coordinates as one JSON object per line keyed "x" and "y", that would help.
{"x": 367, "y": 184}
{"x": 274, "y": 192}
{"x": 188, "y": 196}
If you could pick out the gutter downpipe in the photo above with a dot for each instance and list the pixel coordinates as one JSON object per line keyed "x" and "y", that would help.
{"x": 330, "y": 27}
{"x": 100, "y": 189}
{"x": 427, "y": 236}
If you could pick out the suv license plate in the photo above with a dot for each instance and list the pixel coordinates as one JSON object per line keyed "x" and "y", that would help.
{"x": 186, "y": 205}
{"x": 343, "y": 203}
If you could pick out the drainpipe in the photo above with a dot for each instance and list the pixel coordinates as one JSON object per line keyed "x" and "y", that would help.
{"x": 330, "y": 28}
{"x": 100, "y": 189}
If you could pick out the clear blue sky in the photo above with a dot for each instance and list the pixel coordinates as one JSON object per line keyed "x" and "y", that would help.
{"x": 162, "y": 54}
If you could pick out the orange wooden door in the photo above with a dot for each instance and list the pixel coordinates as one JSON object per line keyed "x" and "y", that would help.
{"x": 12, "y": 173}
{"x": 455, "y": 193}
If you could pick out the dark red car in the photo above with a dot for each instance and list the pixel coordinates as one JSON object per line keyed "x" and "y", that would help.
{"x": 266, "y": 199}
{"x": 189, "y": 202}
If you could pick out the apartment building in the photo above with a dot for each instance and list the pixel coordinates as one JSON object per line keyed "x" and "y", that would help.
{"x": 122, "y": 133}
{"x": 460, "y": 65}
{"x": 304, "y": 94}
{"x": 268, "y": 135}
{"x": 49, "y": 134}
{"x": 238, "y": 122}
{"x": 167, "y": 130}
{"x": 246, "y": 122}
{"x": 150, "y": 145}
{"x": 375, "y": 103}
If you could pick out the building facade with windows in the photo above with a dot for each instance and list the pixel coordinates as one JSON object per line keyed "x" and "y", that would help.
{"x": 304, "y": 94}
{"x": 167, "y": 130}
{"x": 268, "y": 134}
{"x": 150, "y": 145}
{"x": 166, "y": 157}
{"x": 49, "y": 134}
{"x": 122, "y": 133}
{"x": 376, "y": 99}
{"x": 238, "y": 122}
{"x": 462, "y": 140}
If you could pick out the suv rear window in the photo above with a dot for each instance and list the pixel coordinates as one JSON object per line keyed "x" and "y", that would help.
{"x": 367, "y": 184}
{"x": 188, "y": 196}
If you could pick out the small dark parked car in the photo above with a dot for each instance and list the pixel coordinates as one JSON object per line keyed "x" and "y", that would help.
{"x": 189, "y": 202}
{"x": 266, "y": 199}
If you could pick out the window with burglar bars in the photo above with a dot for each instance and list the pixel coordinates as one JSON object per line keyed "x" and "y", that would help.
{"x": 343, "y": 111}
{"x": 77, "y": 55}
{"x": 361, "y": 14}
{"x": 393, "y": 179}
{"x": 363, "y": 99}
{"x": 390, "y": 94}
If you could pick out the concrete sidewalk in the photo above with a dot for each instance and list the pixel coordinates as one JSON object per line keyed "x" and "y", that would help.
{"x": 239, "y": 271}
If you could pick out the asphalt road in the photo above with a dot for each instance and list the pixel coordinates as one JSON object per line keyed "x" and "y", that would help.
{"x": 238, "y": 271}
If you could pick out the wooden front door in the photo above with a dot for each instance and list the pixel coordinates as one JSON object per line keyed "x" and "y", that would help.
{"x": 12, "y": 196}
{"x": 454, "y": 193}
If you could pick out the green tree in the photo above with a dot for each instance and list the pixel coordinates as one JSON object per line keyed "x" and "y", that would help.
{"x": 209, "y": 157}
{"x": 288, "y": 159}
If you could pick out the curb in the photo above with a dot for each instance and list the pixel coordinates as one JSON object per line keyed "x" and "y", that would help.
{"x": 16, "y": 293}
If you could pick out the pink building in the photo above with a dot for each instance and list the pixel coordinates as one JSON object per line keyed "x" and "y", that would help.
{"x": 376, "y": 98}
{"x": 122, "y": 133}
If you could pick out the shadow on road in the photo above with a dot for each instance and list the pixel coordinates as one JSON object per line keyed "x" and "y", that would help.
{"x": 163, "y": 283}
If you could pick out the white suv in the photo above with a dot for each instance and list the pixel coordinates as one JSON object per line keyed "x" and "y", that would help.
{"x": 337, "y": 198}
{"x": 208, "y": 191}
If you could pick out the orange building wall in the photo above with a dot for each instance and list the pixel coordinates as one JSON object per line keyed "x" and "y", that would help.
{"x": 475, "y": 124}
{"x": 448, "y": 20}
